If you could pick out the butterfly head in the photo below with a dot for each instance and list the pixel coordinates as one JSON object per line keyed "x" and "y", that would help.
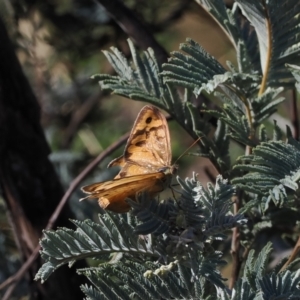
{"x": 169, "y": 169}
{"x": 174, "y": 169}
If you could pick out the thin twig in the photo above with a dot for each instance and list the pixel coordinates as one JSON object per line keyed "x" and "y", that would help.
{"x": 133, "y": 27}
{"x": 294, "y": 254}
{"x": 9, "y": 291}
{"x": 13, "y": 280}
{"x": 74, "y": 184}
{"x": 295, "y": 118}
{"x": 295, "y": 121}
{"x": 235, "y": 248}
{"x": 77, "y": 117}
{"x": 235, "y": 242}
{"x": 82, "y": 175}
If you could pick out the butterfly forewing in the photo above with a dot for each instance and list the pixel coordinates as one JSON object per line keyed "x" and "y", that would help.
{"x": 148, "y": 147}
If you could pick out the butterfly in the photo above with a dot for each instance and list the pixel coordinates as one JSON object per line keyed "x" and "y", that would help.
{"x": 145, "y": 164}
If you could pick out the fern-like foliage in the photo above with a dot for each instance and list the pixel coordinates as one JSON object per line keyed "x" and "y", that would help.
{"x": 295, "y": 70}
{"x": 183, "y": 232}
{"x": 273, "y": 171}
{"x": 144, "y": 80}
{"x": 64, "y": 246}
{"x": 136, "y": 280}
{"x": 244, "y": 115}
{"x": 193, "y": 69}
{"x": 244, "y": 107}
{"x": 247, "y": 93}
{"x": 138, "y": 82}
{"x": 256, "y": 283}
{"x": 200, "y": 216}
{"x": 240, "y": 33}
{"x": 155, "y": 215}
{"x": 200, "y": 213}
{"x": 277, "y": 44}
{"x": 167, "y": 249}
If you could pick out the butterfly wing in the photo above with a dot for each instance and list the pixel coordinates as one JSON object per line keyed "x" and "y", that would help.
{"x": 148, "y": 147}
{"x": 112, "y": 194}
{"x": 145, "y": 163}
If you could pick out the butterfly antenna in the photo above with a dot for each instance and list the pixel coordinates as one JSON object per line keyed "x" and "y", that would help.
{"x": 193, "y": 144}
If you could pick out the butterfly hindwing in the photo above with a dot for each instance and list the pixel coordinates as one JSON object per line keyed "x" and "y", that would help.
{"x": 111, "y": 194}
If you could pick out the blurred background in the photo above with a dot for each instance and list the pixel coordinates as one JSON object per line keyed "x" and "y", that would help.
{"x": 58, "y": 44}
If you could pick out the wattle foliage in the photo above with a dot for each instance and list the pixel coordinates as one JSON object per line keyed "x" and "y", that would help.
{"x": 170, "y": 249}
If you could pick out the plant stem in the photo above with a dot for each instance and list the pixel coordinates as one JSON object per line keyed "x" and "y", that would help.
{"x": 74, "y": 184}
{"x": 235, "y": 248}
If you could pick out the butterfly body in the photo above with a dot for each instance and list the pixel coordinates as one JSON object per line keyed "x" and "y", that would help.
{"x": 145, "y": 164}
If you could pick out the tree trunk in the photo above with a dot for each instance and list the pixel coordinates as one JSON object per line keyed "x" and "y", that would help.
{"x": 30, "y": 186}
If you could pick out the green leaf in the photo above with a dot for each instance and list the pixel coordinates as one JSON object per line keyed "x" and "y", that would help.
{"x": 273, "y": 171}
{"x": 138, "y": 279}
{"x": 278, "y": 44}
{"x": 295, "y": 70}
{"x": 89, "y": 240}
{"x": 193, "y": 69}
{"x": 140, "y": 81}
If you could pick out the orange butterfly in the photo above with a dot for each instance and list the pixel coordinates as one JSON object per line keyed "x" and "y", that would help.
{"x": 145, "y": 164}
